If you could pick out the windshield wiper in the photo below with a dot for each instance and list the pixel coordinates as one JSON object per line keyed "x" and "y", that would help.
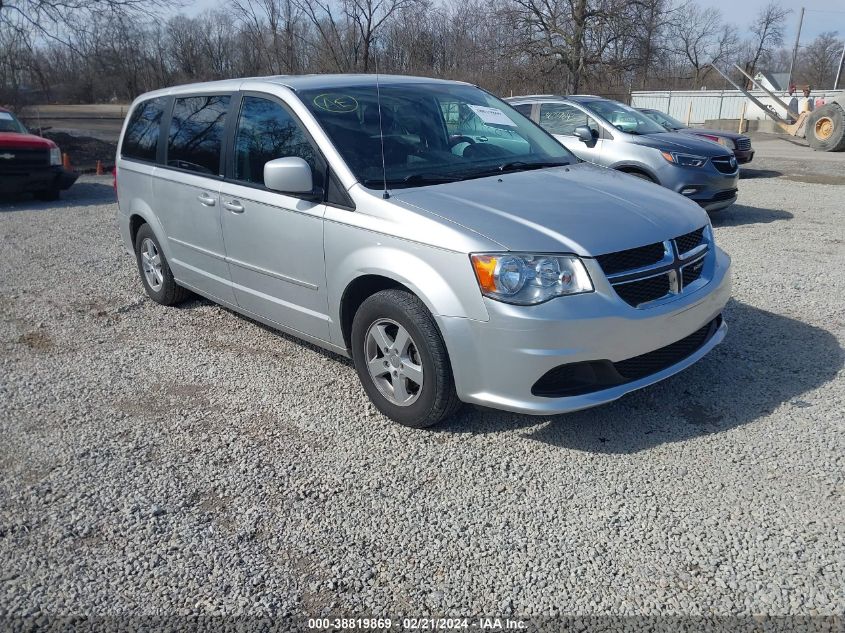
{"x": 520, "y": 165}
{"x": 413, "y": 179}
{"x": 516, "y": 165}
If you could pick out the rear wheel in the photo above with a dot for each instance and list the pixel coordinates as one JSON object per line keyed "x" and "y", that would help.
{"x": 826, "y": 128}
{"x": 402, "y": 361}
{"x": 155, "y": 272}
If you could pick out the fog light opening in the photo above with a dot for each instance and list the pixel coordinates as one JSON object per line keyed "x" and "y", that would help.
{"x": 688, "y": 191}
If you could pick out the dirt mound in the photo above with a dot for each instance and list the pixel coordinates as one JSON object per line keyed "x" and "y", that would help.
{"x": 84, "y": 151}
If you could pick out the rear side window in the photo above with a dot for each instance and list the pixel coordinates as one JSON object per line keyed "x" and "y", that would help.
{"x": 266, "y": 131}
{"x": 141, "y": 138}
{"x": 196, "y": 133}
{"x": 560, "y": 118}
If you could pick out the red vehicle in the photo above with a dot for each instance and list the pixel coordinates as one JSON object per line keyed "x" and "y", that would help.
{"x": 30, "y": 163}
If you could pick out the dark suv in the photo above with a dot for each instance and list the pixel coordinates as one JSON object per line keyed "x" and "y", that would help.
{"x": 739, "y": 144}
{"x": 30, "y": 163}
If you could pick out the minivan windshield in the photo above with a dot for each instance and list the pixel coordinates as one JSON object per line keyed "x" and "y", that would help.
{"x": 429, "y": 133}
{"x": 8, "y": 123}
{"x": 622, "y": 117}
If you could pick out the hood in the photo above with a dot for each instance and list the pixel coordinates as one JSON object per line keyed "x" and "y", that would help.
{"x": 581, "y": 209}
{"x": 701, "y": 130}
{"x": 14, "y": 140}
{"x": 679, "y": 142}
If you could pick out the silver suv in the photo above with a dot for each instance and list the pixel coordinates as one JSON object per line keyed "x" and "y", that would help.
{"x": 450, "y": 246}
{"x": 612, "y": 134}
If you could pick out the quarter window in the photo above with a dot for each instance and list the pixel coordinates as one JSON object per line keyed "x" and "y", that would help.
{"x": 524, "y": 109}
{"x": 560, "y": 118}
{"x": 196, "y": 133}
{"x": 266, "y": 131}
{"x": 141, "y": 138}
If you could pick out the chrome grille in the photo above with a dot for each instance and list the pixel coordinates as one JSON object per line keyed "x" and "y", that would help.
{"x": 644, "y": 290}
{"x": 646, "y": 274}
{"x": 15, "y": 159}
{"x": 690, "y": 240}
{"x": 725, "y": 164}
{"x": 631, "y": 258}
{"x": 692, "y": 272}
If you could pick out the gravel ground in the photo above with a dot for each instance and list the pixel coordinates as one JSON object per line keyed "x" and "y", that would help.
{"x": 164, "y": 461}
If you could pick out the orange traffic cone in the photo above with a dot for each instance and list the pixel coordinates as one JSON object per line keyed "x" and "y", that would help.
{"x": 99, "y": 168}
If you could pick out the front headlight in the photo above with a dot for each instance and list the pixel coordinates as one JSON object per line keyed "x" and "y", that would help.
{"x": 55, "y": 156}
{"x": 726, "y": 142}
{"x": 684, "y": 160}
{"x": 529, "y": 279}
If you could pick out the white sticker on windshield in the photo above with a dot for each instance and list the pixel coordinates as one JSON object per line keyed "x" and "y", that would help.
{"x": 492, "y": 116}
{"x": 5, "y": 116}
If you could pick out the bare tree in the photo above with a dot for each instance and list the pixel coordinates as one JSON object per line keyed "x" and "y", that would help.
{"x": 277, "y": 29}
{"x": 51, "y": 18}
{"x": 767, "y": 31}
{"x": 700, "y": 37}
{"x": 819, "y": 61}
{"x": 566, "y": 34}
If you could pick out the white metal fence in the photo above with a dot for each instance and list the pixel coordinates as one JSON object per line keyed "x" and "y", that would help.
{"x": 708, "y": 105}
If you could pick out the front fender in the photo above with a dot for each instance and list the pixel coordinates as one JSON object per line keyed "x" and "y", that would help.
{"x": 442, "y": 279}
{"x": 628, "y": 164}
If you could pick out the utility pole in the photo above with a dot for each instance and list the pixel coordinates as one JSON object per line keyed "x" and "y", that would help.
{"x": 839, "y": 72}
{"x": 795, "y": 49}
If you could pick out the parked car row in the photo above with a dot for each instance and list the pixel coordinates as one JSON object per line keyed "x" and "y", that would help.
{"x": 739, "y": 144}
{"x": 614, "y": 135}
{"x": 449, "y": 245}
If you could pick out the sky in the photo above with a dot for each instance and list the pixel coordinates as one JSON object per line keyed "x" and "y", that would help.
{"x": 821, "y": 15}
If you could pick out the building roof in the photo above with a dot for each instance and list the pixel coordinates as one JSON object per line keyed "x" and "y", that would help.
{"x": 775, "y": 81}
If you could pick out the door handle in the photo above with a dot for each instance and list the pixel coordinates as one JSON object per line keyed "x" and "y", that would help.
{"x": 207, "y": 200}
{"x": 234, "y": 206}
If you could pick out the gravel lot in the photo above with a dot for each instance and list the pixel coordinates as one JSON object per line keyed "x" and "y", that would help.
{"x": 165, "y": 461}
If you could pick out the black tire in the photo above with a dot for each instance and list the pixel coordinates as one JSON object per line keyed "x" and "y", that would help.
{"x": 47, "y": 195}
{"x": 169, "y": 293}
{"x": 825, "y": 128}
{"x": 437, "y": 398}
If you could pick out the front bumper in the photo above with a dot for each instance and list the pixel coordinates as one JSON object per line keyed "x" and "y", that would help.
{"x": 30, "y": 180}
{"x": 497, "y": 362}
{"x": 706, "y": 186}
{"x": 744, "y": 156}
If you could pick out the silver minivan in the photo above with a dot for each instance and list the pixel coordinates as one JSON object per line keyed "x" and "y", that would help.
{"x": 614, "y": 135}
{"x": 448, "y": 245}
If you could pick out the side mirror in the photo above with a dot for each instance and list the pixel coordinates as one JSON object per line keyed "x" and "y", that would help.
{"x": 288, "y": 175}
{"x": 584, "y": 134}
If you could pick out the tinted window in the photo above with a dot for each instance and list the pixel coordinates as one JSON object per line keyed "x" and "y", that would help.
{"x": 196, "y": 133}
{"x": 560, "y": 118}
{"x": 266, "y": 131}
{"x": 141, "y": 138}
{"x": 524, "y": 109}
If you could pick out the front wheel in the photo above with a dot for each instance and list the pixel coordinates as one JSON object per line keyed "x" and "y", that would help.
{"x": 402, "y": 361}
{"x": 826, "y": 128}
